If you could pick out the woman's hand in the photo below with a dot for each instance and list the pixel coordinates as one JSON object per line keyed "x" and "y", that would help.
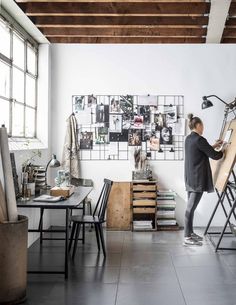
{"x": 217, "y": 144}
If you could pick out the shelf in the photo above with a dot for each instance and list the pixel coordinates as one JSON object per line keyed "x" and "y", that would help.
{"x": 144, "y": 195}
{"x": 144, "y": 202}
{"x": 144, "y": 210}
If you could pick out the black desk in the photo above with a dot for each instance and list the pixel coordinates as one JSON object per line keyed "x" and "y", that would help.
{"x": 72, "y": 202}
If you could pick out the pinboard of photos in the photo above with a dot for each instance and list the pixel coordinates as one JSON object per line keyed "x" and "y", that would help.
{"x": 110, "y": 127}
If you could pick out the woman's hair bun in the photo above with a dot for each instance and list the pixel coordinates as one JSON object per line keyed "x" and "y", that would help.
{"x": 190, "y": 116}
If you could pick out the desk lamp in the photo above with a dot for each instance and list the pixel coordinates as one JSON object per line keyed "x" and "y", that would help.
{"x": 53, "y": 162}
{"x": 229, "y": 107}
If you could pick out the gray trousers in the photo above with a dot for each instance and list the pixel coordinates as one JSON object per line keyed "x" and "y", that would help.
{"x": 193, "y": 200}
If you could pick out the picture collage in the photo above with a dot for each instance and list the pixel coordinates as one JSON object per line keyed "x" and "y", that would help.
{"x": 152, "y": 122}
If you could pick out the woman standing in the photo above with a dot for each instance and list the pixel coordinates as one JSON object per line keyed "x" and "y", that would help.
{"x": 198, "y": 176}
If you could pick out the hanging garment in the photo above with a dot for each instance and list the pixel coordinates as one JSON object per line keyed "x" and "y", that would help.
{"x": 70, "y": 157}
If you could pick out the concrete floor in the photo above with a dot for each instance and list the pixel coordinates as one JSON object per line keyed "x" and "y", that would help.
{"x": 142, "y": 268}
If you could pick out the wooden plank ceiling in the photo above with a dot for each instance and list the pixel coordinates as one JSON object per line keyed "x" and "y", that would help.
{"x": 229, "y": 35}
{"x": 122, "y": 21}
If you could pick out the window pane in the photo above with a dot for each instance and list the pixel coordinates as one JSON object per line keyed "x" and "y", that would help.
{"x": 30, "y": 91}
{"x": 4, "y": 113}
{"x": 29, "y": 122}
{"x": 5, "y": 39}
{"x": 18, "y": 85}
{"x": 4, "y": 79}
{"x": 31, "y": 60}
{"x": 17, "y": 120}
{"x": 18, "y": 51}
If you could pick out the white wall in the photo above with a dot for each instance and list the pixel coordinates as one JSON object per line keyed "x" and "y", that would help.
{"x": 190, "y": 70}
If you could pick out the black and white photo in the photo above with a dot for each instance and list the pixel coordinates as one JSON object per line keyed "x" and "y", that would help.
{"x": 171, "y": 114}
{"x": 145, "y": 112}
{"x": 115, "y": 122}
{"x": 101, "y": 137}
{"x": 102, "y": 114}
{"x": 92, "y": 100}
{"x": 86, "y": 140}
{"x": 78, "y": 102}
{"x": 166, "y": 135}
{"x": 159, "y": 120}
{"x": 135, "y": 137}
{"x": 115, "y": 106}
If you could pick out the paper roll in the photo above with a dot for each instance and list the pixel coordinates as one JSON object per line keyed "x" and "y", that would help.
{"x": 8, "y": 177}
{"x": 3, "y": 206}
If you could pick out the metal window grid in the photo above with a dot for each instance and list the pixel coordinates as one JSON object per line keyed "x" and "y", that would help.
{"x": 28, "y": 41}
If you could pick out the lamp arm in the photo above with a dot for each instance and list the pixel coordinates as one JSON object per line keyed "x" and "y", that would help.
{"x": 217, "y": 98}
{"x": 46, "y": 180}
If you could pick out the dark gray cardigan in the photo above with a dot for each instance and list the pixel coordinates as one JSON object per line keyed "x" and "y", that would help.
{"x": 198, "y": 176}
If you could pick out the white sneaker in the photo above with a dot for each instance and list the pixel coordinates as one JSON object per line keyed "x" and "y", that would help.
{"x": 196, "y": 237}
{"x": 189, "y": 241}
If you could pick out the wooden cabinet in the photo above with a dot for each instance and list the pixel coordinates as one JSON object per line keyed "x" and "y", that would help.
{"x": 144, "y": 204}
{"x": 119, "y": 207}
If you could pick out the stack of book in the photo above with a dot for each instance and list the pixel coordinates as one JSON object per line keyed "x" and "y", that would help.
{"x": 39, "y": 177}
{"x": 142, "y": 225}
{"x": 166, "y": 205}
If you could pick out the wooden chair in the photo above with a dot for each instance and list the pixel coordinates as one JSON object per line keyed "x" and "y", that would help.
{"x": 97, "y": 219}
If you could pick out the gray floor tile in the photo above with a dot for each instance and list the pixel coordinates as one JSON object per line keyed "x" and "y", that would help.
{"x": 141, "y": 268}
{"x": 209, "y": 294}
{"x": 198, "y": 260}
{"x": 148, "y": 274}
{"x": 107, "y": 275}
{"x": 146, "y": 259}
{"x": 205, "y": 275}
{"x": 151, "y": 294}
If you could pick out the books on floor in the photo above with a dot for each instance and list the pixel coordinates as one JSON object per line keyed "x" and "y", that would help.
{"x": 166, "y": 222}
{"x": 142, "y": 225}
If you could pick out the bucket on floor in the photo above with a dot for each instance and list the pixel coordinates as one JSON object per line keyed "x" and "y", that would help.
{"x": 13, "y": 261}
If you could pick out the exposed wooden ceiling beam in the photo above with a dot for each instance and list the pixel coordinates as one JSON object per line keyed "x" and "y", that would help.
{"x": 126, "y": 40}
{"x": 228, "y": 40}
{"x": 229, "y": 32}
{"x": 147, "y": 31}
{"x": 91, "y": 1}
{"x": 114, "y": 8}
{"x": 78, "y": 20}
{"x": 232, "y": 10}
{"x": 217, "y": 19}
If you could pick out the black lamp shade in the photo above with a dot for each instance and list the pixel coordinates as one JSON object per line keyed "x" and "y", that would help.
{"x": 206, "y": 103}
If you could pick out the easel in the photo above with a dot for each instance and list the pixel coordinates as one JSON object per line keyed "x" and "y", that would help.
{"x": 230, "y": 194}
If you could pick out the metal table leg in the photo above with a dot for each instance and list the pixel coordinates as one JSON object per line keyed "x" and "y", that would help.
{"x": 66, "y": 243}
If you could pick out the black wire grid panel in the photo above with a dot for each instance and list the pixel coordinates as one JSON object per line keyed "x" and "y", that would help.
{"x": 84, "y": 108}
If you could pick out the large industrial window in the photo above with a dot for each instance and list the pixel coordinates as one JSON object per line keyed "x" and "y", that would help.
{"x": 18, "y": 81}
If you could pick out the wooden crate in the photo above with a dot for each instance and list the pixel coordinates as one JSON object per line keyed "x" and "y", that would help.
{"x": 144, "y": 202}
{"x": 144, "y": 210}
{"x": 143, "y": 187}
{"x": 118, "y": 210}
{"x": 144, "y": 195}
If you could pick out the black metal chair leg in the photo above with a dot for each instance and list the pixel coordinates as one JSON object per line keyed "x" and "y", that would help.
{"x": 97, "y": 236}
{"x": 78, "y": 225}
{"x": 41, "y": 225}
{"x": 72, "y": 235}
{"x": 90, "y": 213}
{"x": 102, "y": 238}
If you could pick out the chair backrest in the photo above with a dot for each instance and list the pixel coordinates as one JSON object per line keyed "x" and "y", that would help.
{"x": 81, "y": 182}
{"x": 102, "y": 202}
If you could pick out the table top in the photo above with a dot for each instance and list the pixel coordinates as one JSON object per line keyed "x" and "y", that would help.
{"x": 81, "y": 192}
